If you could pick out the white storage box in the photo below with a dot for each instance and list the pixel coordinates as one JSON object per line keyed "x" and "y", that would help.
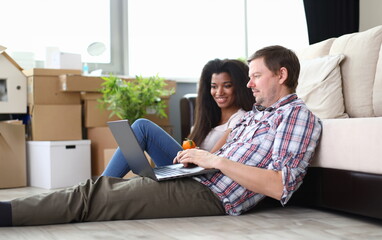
{"x": 57, "y": 164}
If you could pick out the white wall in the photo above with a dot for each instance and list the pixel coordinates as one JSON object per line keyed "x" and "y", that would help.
{"x": 369, "y": 14}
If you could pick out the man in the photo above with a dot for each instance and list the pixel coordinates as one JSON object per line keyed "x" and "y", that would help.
{"x": 266, "y": 154}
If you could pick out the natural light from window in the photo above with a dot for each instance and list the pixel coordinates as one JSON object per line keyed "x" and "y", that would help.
{"x": 175, "y": 38}
{"x": 28, "y": 27}
{"x": 171, "y": 38}
{"x": 280, "y": 22}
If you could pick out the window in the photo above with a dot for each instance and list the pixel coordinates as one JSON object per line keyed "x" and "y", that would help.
{"x": 175, "y": 38}
{"x": 276, "y": 22}
{"x": 171, "y": 38}
{"x": 29, "y": 27}
{"x": 3, "y": 90}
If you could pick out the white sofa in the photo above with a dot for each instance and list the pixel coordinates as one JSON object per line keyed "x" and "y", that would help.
{"x": 341, "y": 81}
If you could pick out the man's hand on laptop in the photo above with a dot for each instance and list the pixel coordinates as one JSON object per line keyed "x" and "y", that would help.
{"x": 198, "y": 157}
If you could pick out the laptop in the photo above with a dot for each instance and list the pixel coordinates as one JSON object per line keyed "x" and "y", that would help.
{"x": 138, "y": 161}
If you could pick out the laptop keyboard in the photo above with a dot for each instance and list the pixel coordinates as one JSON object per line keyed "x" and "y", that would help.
{"x": 165, "y": 171}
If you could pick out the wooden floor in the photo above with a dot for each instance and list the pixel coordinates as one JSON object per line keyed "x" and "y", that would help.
{"x": 288, "y": 223}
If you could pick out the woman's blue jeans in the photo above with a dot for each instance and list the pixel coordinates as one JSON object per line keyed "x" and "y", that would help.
{"x": 161, "y": 147}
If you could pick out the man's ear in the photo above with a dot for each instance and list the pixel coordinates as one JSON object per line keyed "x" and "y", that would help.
{"x": 283, "y": 75}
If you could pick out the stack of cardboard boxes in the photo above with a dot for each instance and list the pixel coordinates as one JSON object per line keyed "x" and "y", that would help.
{"x": 57, "y": 155}
{"x": 68, "y": 138}
{"x": 55, "y": 115}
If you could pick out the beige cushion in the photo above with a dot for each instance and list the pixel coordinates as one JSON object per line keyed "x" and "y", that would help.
{"x": 316, "y": 50}
{"x": 320, "y": 86}
{"x": 377, "y": 90}
{"x": 360, "y": 85}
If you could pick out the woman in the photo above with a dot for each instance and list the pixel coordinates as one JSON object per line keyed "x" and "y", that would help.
{"x": 222, "y": 100}
{"x": 219, "y": 81}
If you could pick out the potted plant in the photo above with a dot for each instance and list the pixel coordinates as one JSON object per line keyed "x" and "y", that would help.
{"x": 134, "y": 98}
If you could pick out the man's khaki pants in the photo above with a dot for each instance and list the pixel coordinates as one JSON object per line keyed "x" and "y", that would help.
{"x": 117, "y": 199}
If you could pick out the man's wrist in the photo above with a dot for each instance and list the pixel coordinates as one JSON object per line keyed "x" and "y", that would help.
{"x": 219, "y": 162}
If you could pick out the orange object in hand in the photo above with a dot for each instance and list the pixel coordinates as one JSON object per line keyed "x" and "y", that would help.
{"x": 188, "y": 144}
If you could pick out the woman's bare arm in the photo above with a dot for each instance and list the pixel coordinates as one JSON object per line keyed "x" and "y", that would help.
{"x": 221, "y": 141}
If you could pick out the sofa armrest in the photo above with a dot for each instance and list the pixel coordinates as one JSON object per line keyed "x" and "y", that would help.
{"x": 187, "y": 108}
{"x": 352, "y": 144}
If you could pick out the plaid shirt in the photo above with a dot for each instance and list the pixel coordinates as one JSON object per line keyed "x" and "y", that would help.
{"x": 282, "y": 138}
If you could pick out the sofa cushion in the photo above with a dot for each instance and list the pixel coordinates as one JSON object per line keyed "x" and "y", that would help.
{"x": 360, "y": 85}
{"x": 320, "y": 86}
{"x": 377, "y": 93}
{"x": 316, "y": 50}
{"x": 352, "y": 144}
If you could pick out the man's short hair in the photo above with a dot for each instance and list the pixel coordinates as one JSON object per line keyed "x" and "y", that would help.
{"x": 276, "y": 57}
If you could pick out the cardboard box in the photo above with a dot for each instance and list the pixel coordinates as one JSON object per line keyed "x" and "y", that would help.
{"x": 12, "y": 155}
{"x": 79, "y": 83}
{"x": 101, "y": 138}
{"x": 108, "y": 154}
{"x": 43, "y": 87}
{"x": 50, "y": 72}
{"x": 94, "y": 116}
{"x": 57, "y": 164}
{"x": 55, "y": 122}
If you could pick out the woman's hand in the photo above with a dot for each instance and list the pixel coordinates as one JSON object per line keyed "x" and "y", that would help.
{"x": 198, "y": 157}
